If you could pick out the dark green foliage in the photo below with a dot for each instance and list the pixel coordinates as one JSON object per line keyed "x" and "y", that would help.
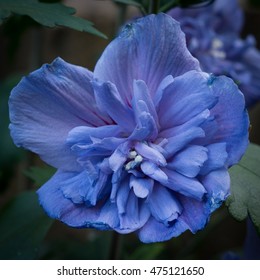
{"x": 47, "y": 14}
{"x": 40, "y": 174}
{"x": 245, "y": 188}
{"x": 23, "y": 227}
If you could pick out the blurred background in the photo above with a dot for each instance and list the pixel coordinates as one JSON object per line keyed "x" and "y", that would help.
{"x": 27, "y": 233}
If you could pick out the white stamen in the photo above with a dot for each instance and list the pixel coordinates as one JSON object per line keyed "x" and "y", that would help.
{"x": 129, "y": 165}
{"x": 132, "y": 154}
{"x": 138, "y": 159}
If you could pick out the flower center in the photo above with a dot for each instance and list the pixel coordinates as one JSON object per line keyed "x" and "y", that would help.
{"x": 134, "y": 160}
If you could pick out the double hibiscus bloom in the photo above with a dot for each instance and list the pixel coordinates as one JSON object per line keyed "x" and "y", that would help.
{"x": 141, "y": 144}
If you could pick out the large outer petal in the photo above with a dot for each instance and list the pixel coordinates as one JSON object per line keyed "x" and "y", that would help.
{"x": 52, "y": 198}
{"x": 148, "y": 49}
{"x": 231, "y": 117}
{"x": 46, "y": 105}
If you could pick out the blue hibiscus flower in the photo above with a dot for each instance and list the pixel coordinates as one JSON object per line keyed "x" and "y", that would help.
{"x": 213, "y": 36}
{"x": 141, "y": 144}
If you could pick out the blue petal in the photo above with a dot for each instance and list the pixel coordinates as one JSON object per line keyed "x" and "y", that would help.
{"x": 86, "y": 142}
{"x": 186, "y": 97}
{"x": 46, "y": 105}
{"x": 141, "y": 92}
{"x": 122, "y": 196}
{"x": 189, "y": 187}
{"x": 150, "y": 153}
{"x": 176, "y": 143}
{"x": 142, "y": 186}
{"x": 110, "y": 102}
{"x": 78, "y": 188}
{"x": 232, "y": 118}
{"x": 148, "y": 49}
{"x": 83, "y": 134}
{"x": 85, "y": 188}
{"x": 153, "y": 171}
{"x": 117, "y": 180}
{"x": 217, "y": 184}
{"x": 194, "y": 217}
{"x": 189, "y": 161}
{"x": 57, "y": 206}
{"x": 162, "y": 86}
{"x": 119, "y": 156}
{"x": 196, "y": 121}
{"x": 155, "y": 231}
{"x": 146, "y": 128}
{"x": 135, "y": 216}
{"x": 145, "y": 114}
{"x": 164, "y": 206}
{"x": 195, "y": 214}
{"x": 217, "y": 157}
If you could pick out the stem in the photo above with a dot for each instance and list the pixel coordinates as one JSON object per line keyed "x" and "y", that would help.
{"x": 115, "y": 246}
{"x": 154, "y": 6}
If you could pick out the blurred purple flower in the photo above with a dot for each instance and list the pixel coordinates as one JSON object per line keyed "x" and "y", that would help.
{"x": 213, "y": 37}
{"x": 141, "y": 144}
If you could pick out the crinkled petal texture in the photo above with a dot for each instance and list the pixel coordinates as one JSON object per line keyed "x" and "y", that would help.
{"x": 213, "y": 37}
{"x": 144, "y": 145}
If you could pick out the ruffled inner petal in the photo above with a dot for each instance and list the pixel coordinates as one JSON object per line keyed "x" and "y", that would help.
{"x": 150, "y": 153}
{"x": 217, "y": 157}
{"x": 153, "y": 171}
{"x": 142, "y": 186}
{"x": 110, "y": 102}
{"x": 190, "y": 187}
{"x": 181, "y": 140}
{"x": 146, "y": 127}
{"x": 189, "y": 161}
{"x": 189, "y": 95}
{"x": 135, "y": 216}
{"x": 164, "y": 206}
{"x": 88, "y": 142}
{"x": 59, "y": 207}
{"x": 141, "y": 92}
{"x": 119, "y": 156}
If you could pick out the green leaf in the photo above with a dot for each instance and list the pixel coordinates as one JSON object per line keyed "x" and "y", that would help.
{"x": 245, "y": 187}
{"x": 47, "y": 14}
{"x": 23, "y": 227}
{"x": 40, "y": 174}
